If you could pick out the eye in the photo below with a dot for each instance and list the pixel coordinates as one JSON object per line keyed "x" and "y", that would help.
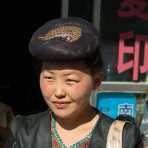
{"x": 72, "y": 81}
{"x": 48, "y": 77}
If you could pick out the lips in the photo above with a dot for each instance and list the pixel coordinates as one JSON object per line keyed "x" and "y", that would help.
{"x": 61, "y": 104}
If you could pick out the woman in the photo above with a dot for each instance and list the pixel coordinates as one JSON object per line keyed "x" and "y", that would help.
{"x": 68, "y": 50}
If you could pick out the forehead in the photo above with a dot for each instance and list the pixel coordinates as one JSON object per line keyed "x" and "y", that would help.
{"x": 78, "y": 66}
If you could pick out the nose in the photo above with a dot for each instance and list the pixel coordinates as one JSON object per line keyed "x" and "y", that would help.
{"x": 60, "y": 91}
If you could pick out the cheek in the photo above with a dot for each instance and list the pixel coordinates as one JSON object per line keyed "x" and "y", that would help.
{"x": 45, "y": 88}
{"x": 81, "y": 91}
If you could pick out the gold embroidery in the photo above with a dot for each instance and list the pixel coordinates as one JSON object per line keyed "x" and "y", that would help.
{"x": 69, "y": 33}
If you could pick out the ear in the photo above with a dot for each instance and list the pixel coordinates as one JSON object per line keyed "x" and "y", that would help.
{"x": 97, "y": 80}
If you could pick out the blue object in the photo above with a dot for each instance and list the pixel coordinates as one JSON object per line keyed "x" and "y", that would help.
{"x": 114, "y": 104}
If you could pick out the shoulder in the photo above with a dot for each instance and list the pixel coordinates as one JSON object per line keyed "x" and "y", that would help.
{"x": 101, "y": 130}
{"x": 106, "y": 120}
{"x": 29, "y": 130}
{"x": 132, "y": 137}
{"x": 28, "y": 122}
{"x": 103, "y": 123}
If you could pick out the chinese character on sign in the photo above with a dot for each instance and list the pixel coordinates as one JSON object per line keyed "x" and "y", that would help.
{"x": 135, "y": 51}
{"x": 131, "y": 8}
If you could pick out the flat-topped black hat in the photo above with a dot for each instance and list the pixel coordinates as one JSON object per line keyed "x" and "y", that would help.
{"x": 66, "y": 39}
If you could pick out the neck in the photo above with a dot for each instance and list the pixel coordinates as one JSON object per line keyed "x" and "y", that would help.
{"x": 73, "y": 122}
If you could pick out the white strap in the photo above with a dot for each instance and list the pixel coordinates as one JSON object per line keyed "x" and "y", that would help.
{"x": 114, "y": 138}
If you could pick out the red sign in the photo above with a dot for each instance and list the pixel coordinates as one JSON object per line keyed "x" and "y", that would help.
{"x": 135, "y": 51}
{"x": 131, "y": 8}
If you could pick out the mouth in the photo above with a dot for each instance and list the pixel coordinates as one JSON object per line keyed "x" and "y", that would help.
{"x": 61, "y": 105}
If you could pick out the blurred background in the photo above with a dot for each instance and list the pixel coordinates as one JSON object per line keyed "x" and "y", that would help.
{"x": 18, "y": 20}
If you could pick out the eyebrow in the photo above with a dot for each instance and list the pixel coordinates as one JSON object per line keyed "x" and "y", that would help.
{"x": 70, "y": 73}
{"x": 65, "y": 73}
{"x": 49, "y": 72}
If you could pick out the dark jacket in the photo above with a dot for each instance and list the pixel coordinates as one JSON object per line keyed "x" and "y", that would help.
{"x": 34, "y": 132}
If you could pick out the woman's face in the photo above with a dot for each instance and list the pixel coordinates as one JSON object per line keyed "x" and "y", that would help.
{"x": 66, "y": 88}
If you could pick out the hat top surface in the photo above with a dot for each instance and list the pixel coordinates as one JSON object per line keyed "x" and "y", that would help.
{"x": 68, "y": 33}
{"x": 64, "y": 39}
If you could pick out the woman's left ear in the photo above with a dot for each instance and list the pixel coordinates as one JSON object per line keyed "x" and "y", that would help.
{"x": 97, "y": 80}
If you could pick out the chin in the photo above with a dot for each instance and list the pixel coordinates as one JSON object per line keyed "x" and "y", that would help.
{"x": 63, "y": 114}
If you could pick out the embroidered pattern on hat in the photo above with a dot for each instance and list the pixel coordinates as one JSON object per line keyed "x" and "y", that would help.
{"x": 68, "y": 33}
